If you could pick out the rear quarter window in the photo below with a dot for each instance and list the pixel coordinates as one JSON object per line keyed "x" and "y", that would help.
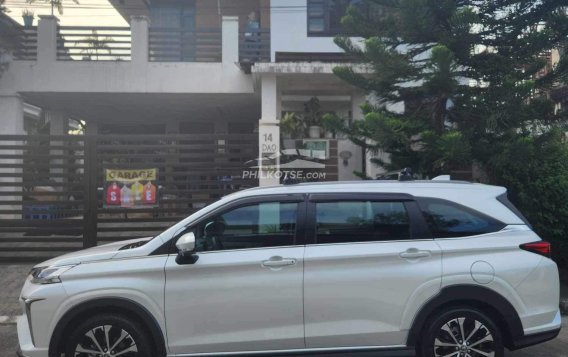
{"x": 448, "y": 219}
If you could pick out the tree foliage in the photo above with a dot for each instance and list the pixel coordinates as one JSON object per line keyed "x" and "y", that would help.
{"x": 535, "y": 170}
{"x": 471, "y": 73}
{"x": 55, "y": 4}
{"x": 474, "y": 80}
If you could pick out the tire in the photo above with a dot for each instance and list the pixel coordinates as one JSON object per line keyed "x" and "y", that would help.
{"x": 123, "y": 334}
{"x": 443, "y": 336}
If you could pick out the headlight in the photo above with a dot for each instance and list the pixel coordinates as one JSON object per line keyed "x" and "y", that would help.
{"x": 48, "y": 275}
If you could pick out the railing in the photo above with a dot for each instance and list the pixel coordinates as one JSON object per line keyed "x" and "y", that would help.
{"x": 254, "y": 46}
{"x": 179, "y": 45}
{"x": 77, "y": 43}
{"x": 27, "y": 44}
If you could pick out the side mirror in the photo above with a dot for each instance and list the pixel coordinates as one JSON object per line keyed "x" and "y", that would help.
{"x": 186, "y": 249}
{"x": 186, "y": 243}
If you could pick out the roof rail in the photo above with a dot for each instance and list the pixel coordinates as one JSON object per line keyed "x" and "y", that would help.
{"x": 442, "y": 178}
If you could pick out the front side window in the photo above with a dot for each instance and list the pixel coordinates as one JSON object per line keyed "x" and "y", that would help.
{"x": 361, "y": 221}
{"x": 261, "y": 225}
{"x": 447, "y": 219}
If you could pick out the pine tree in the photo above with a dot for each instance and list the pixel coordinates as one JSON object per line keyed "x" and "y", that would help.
{"x": 472, "y": 75}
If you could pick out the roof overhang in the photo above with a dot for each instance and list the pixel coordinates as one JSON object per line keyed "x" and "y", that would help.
{"x": 129, "y": 8}
{"x": 308, "y": 78}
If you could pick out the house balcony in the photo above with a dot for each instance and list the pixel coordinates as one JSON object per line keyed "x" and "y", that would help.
{"x": 92, "y": 43}
{"x": 136, "y": 59}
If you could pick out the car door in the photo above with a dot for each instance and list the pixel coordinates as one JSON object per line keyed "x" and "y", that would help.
{"x": 369, "y": 259}
{"x": 244, "y": 292}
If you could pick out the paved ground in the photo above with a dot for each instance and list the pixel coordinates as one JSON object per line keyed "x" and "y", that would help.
{"x": 12, "y": 277}
{"x": 11, "y": 280}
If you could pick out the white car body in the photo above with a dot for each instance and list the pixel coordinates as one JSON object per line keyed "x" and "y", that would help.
{"x": 331, "y": 297}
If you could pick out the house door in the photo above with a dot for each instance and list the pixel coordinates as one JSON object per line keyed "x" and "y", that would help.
{"x": 176, "y": 18}
{"x": 189, "y": 37}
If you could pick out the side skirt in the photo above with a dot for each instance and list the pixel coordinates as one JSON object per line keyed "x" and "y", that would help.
{"x": 370, "y": 351}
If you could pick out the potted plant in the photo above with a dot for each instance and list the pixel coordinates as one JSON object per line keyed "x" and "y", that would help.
{"x": 333, "y": 124}
{"x": 313, "y": 118}
{"x": 292, "y": 126}
{"x": 28, "y": 17}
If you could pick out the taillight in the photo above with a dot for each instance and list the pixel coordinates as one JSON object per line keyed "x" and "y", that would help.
{"x": 542, "y": 248}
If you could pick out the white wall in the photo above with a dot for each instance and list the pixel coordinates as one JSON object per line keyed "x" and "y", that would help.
{"x": 123, "y": 77}
{"x": 289, "y": 29}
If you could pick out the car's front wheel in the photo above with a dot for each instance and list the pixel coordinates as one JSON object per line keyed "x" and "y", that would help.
{"x": 108, "y": 335}
{"x": 461, "y": 332}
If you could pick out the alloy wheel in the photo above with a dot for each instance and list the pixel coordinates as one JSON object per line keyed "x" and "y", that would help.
{"x": 106, "y": 341}
{"x": 464, "y": 337}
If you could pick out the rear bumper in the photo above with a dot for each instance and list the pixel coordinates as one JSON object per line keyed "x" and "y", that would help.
{"x": 545, "y": 333}
{"x": 535, "y": 339}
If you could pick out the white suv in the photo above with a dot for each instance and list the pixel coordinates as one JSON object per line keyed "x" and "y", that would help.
{"x": 394, "y": 268}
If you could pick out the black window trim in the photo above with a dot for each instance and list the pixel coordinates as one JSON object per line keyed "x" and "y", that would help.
{"x": 419, "y": 229}
{"x": 300, "y": 239}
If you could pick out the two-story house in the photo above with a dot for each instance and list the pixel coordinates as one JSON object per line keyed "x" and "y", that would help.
{"x": 188, "y": 67}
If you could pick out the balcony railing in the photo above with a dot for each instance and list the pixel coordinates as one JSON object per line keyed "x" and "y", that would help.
{"x": 254, "y": 46}
{"x": 76, "y": 43}
{"x": 141, "y": 44}
{"x": 180, "y": 45}
{"x": 27, "y": 44}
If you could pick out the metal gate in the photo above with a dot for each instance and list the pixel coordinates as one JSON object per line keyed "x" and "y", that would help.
{"x": 52, "y": 196}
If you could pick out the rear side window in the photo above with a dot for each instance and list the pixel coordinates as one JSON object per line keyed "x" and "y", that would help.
{"x": 448, "y": 219}
{"x": 361, "y": 221}
{"x": 505, "y": 201}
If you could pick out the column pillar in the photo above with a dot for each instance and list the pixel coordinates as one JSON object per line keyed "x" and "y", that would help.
{"x": 47, "y": 38}
{"x": 12, "y": 109}
{"x": 140, "y": 47}
{"x": 92, "y": 128}
{"x": 58, "y": 125}
{"x": 358, "y": 99}
{"x": 230, "y": 40}
{"x": 269, "y": 130}
{"x": 58, "y": 122}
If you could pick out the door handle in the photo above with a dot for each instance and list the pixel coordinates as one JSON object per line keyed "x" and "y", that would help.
{"x": 278, "y": 262}
{"x": 414, "y": 253}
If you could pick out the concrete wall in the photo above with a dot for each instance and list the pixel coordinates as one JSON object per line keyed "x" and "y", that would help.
{"x": 124, "y": 77}
{"x": 289, "y": 29}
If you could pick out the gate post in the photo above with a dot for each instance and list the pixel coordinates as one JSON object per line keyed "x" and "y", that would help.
{"x": 90, "y": 192}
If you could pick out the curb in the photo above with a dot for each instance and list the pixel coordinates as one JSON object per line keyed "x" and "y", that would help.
{"x": 8, "y": 320}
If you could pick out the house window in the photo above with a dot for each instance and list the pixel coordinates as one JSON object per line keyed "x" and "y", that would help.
{"x": 324, "y": 16}
{"x": 173, "y": 14}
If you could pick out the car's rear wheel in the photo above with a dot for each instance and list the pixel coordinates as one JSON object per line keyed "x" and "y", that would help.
{"x": 108, "y": 335}
{"x": 461, "y": 332}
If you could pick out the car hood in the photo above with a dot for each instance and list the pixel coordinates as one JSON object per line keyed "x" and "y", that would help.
{"x": 101, "y": 252}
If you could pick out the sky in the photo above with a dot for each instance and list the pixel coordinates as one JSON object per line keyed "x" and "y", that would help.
{"x": 87, "y": 13}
